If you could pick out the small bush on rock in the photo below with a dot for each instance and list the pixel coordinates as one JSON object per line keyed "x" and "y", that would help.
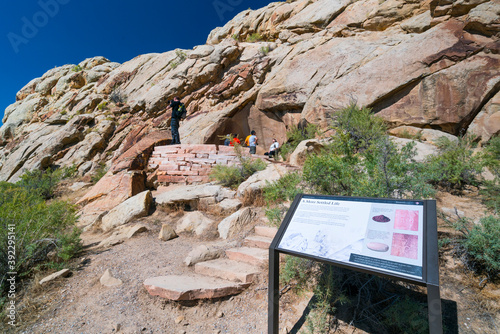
{"x": 295, "y": 135}
{"x": 43, "y": 182}
{"x": 456, "y": 165}
{"x": 233, "y": 176}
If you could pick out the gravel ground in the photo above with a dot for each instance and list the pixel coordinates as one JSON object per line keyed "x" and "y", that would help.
{"x": 80, "y": 304}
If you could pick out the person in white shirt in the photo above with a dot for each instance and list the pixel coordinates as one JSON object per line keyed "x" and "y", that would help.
{"x": 273, "y": 149}
{"x": 252, "y": 142}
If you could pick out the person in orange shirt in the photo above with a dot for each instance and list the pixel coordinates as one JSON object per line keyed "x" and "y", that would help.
{"x": 247, "y": 140}
{"x": 235, "y": 140}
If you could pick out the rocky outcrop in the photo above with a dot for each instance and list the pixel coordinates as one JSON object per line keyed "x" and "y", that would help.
{"x": 426, "y": 64}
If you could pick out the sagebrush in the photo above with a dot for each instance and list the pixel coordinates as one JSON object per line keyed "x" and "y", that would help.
{"x": 35, "y": 225}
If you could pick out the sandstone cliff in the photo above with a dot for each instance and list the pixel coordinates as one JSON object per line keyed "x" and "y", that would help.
{"x": 428, "y": 64}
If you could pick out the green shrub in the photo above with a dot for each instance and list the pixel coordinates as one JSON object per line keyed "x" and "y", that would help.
{"x": 328, "y": 173}
{"x": 77, "y": 68}
{"x": 295, "y": 135}
{"x": 249, "y": 166}
{"x": 264, "y": 50}
{"x": 275, "y": 215}
{"x": 284, "y": 189}
{"x": 43, "y": 182}
{"x": 362, "y": 161}
{"x": 228, "y": 176}
{"x": 328, "y": 292}
{"x": 37, "y": 227}
{"x": 103, "y": 105}
{"x": 296, "y": 271}
{"x": 101, "y": 170}
{"x": 492, "y": 155}
{"x": 255, "y": 37}
{"x": 233, "y": 176}
{"x": 382, "y": 171}
{"x": 181, "y": 55}
{"x": 481, "y": 244}
{"x": 455, "y": 166}
{"x": 490, "y": 191}
{"x": 357, "y": 129}
{"x": 406, "y": 315}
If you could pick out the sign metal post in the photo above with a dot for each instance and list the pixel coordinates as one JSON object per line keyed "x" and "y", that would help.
{"x": 385, "y": 237}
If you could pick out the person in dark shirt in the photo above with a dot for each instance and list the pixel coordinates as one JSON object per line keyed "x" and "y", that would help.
{"x": 174, "y": 124}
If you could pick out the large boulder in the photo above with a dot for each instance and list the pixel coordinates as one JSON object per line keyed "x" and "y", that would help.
{"x": 487, "y": 123}
{"x": 111, "y": 190}
{"x": 317, "y": 14}
{"x": 133, "y": 208}
{"x": 260, "y": 179}
{"x": 236, "y": 222}
{"x": 207, "y": 252}
{"x": 195, "y": 222}
{"x": 305, "y": 148}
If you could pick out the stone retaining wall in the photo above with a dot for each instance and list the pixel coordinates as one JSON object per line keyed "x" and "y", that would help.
{"x": 187, "y": 164}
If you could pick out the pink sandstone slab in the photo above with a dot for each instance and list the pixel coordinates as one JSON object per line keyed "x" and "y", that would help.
{"x": 257, "y": 241}
{"x": 171, "y": 178}
{"x": 228, "y": 270}
{"x": 255, "y": 256}
{"x": 179, "y": 287}
{"x": 266, "y": 231}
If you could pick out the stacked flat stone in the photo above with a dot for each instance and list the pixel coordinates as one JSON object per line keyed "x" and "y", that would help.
{"x": 188, "y": 164}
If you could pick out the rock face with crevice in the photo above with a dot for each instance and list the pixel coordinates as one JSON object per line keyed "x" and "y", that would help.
{"x": 426, "y": 64}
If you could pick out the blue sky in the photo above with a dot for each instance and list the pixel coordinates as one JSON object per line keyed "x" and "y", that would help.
{"x": 38, "y": 35}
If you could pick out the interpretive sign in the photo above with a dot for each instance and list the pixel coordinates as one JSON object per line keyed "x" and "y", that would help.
{"x": 384, "y": 235}
{"x": 387, "y": 237}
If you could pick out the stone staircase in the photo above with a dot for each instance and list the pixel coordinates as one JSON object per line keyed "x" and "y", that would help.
{"x": 220, "y": 277}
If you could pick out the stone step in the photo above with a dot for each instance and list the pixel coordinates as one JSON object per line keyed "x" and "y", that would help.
{"x": 228, "y": 269}
{"x": 183, "y": 287}
{"x": 266, "y": 231}
{"x": 257, "y": 241}
{"x": 254, "y": 256}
